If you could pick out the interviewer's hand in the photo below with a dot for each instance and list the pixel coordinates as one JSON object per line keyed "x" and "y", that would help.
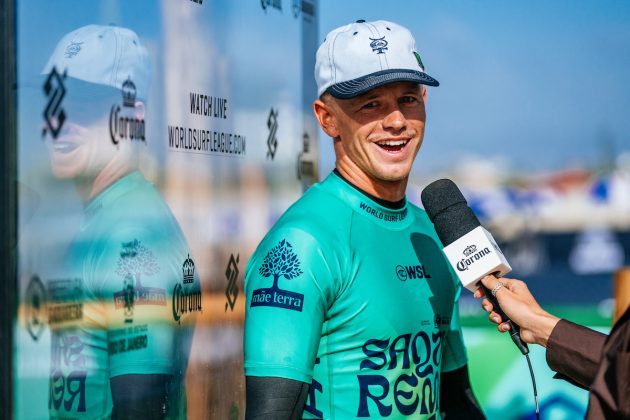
{"x": 519, "y": 304}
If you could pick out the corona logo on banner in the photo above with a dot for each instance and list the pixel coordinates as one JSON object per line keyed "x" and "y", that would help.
{"x": 126, "y": 126}
{"x": 186, "y": 296}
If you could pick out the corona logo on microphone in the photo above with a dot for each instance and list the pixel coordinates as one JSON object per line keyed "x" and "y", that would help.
{"x": 463, "y": 264}
{"x": 470, "y": 249}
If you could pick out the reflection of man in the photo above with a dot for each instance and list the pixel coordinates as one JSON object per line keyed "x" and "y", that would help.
{"x": 120, "y": 306}
{"x": 349, "y": 298}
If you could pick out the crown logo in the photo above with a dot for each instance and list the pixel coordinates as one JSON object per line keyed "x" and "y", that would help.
{"x": 129, "y": 93}
{"x": 188, "y": 269}
{"x": 470, "y": 249}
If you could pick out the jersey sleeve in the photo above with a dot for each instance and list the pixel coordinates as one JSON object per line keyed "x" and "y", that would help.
{"x": 289, "y": 284}
{"x": 454, "y": 356}
{"x": 139, "y": 272}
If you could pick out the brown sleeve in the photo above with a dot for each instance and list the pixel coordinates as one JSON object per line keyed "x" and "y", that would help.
{"x": 575, "y": 351}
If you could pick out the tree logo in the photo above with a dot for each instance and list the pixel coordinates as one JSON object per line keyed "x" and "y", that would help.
{"x": 137, "y": 262}
{"x": 280, "y": 262}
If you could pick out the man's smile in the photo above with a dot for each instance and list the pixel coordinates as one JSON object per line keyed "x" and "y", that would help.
{"x": 392, "y": 145}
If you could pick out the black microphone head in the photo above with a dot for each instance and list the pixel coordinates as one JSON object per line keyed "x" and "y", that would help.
{"x": 448, "y": 210}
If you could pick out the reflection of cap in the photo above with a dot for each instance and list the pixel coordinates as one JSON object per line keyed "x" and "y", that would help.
{"x": 361, "y": 56}
{"x": 105, "y": 55}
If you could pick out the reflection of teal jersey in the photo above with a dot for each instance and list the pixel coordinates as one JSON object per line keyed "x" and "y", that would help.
{"x": 356, "y": 299}
{"x": 120, "y": 305}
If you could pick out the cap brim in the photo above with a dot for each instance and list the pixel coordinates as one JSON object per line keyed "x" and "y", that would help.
{"x": 356, "y": 87}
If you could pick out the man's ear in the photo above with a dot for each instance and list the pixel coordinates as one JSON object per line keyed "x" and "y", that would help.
{"x": 424, "y": 94}
{"x": 326, "y": 118}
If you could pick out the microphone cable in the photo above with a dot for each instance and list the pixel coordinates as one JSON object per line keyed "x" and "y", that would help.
{"x": 515, "y": 335}
{"x": 531, "y": 372}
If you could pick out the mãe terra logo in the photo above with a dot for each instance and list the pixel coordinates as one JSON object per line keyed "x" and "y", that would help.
{"x": 281, "y": 261}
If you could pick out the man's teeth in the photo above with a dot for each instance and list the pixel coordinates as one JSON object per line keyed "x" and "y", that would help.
{"x": 393, "y": 143}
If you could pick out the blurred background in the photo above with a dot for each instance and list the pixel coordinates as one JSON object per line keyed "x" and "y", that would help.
{"x": 530, "y": 120}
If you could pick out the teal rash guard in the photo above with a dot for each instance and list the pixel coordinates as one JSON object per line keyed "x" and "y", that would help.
{"x": 124, "y": 303}
{"x": 357, "y": 300}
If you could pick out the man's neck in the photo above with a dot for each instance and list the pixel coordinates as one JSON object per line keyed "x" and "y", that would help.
{"x": 393, "y": 205}
{"x": 88, "y": 187}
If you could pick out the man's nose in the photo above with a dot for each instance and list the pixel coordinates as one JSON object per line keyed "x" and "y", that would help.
{"x": 395, "y": 120}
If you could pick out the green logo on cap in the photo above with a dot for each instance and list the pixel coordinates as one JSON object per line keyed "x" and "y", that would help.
{"x": 419, "y": 60}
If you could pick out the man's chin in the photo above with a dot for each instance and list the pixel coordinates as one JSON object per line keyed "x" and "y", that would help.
{"x": 64, "y": 169}
{"x": 394, "y": 174}
{"x": 62, "y": 173}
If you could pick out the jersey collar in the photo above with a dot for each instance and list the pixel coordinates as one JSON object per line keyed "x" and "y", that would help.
{"x": 365, "y": 206}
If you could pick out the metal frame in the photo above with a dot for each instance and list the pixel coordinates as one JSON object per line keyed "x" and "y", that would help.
{"x": 8, "y": 210}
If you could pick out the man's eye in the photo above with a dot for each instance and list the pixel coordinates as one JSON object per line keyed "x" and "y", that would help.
{"x": 408, "y": 99}
{"x": 369, "y": 105}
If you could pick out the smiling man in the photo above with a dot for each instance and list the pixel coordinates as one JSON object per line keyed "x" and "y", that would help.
{"x": 123, "y": 351}
{"x": 351, "y": 306}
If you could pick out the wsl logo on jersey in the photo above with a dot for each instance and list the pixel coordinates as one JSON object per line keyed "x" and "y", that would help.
{"x": 280, "y": 262}
{"x": 411, "y": 272}
{"x": 471, "y": 255}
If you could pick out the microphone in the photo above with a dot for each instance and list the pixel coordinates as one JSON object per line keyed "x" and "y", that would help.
{"x": 469, "y": 248}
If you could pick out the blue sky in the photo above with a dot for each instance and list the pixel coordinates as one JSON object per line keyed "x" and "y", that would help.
{"x": 542, "y": 85}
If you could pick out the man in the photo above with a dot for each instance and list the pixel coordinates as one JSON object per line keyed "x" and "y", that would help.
{"x": 122, "y": 305}
{"x": 586, "y": 358}
{"x": 349, "y": 298}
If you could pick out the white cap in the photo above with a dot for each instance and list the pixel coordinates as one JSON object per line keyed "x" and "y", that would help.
{"x": 105, "y": 55}
{"x": 361, "y": 56}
